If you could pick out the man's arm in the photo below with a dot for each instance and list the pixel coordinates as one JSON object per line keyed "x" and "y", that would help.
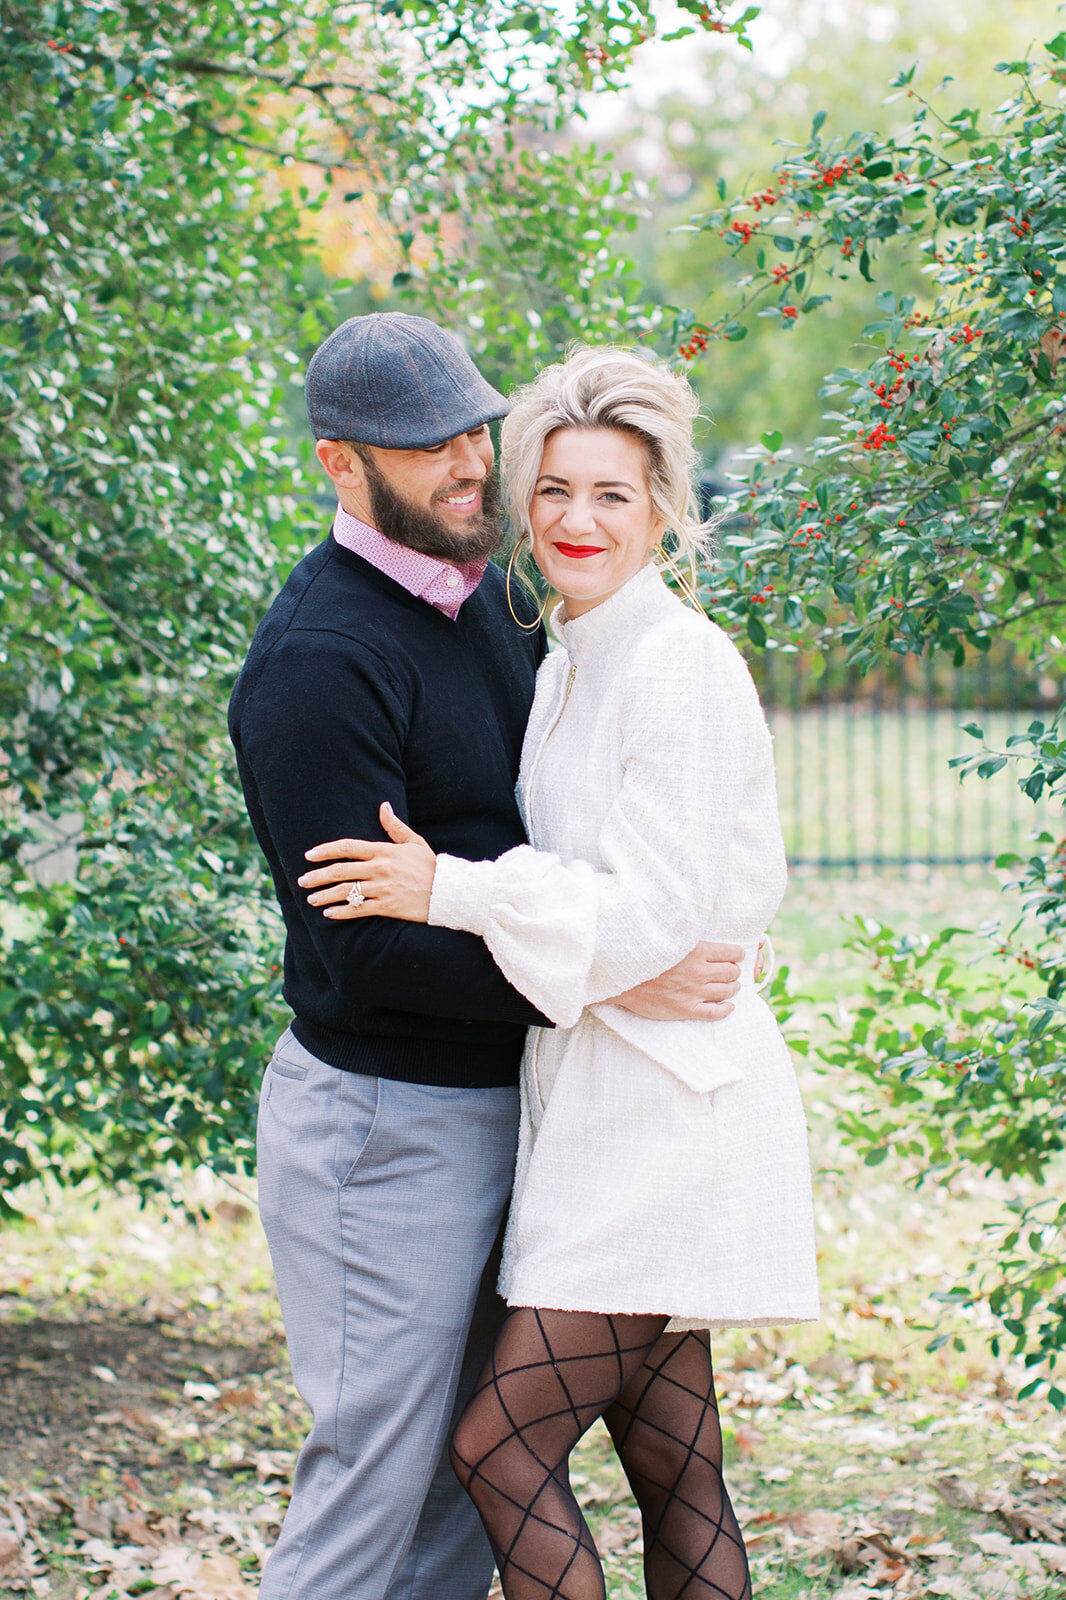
{"x": 322, "y": 737}
{"x": 700, "y": 988}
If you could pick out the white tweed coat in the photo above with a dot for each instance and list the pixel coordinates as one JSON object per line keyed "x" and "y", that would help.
{"x": 662, "y": 1166}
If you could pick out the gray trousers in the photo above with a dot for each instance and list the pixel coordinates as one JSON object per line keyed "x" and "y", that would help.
{"x": 382, "y": 1203}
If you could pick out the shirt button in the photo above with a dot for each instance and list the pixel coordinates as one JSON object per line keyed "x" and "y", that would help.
{"x": 452, "y": 580}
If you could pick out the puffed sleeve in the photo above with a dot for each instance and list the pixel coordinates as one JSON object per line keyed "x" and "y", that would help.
{"x": 569, "y": 936}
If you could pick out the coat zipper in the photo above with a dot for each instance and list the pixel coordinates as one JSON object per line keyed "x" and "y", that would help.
{"x": 544, "y": 742}
{"x": 534, "y": 1064}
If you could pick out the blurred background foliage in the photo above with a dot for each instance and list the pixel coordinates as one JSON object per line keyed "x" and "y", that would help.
{"x": 191, "y": 195}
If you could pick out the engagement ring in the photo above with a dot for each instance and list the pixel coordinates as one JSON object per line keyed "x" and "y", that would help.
{"x": 355, "y": 895}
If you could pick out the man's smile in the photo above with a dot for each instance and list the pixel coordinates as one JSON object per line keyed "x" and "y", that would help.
{"x": 465, "y": 500}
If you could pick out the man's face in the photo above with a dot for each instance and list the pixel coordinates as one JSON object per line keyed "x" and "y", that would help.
{"x": 441, "y": 501}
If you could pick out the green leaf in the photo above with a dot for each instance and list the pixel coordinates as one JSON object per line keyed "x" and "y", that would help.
{"x": 756, "y": 632}
{"x": 773, "y": 440}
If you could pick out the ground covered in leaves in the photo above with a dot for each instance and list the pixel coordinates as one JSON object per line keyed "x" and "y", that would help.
{"x": 148, "y": 1425}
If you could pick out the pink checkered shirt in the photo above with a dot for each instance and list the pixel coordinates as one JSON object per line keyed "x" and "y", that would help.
{"x": 444, "y": 584}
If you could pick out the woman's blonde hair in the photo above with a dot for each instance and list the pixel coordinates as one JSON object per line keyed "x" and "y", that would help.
{"x": 631, "y": 392}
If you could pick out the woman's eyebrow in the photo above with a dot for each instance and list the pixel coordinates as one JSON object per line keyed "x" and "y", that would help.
{"x": 606, "y": 483}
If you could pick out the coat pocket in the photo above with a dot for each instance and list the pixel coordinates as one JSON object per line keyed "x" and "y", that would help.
{"x": 688, "y": 1050}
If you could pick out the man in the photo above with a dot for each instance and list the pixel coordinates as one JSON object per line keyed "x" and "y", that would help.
{"x": 389, "y": 668}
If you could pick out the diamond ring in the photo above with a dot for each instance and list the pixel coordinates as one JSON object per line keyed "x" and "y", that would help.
{"x": 355, "y": 895}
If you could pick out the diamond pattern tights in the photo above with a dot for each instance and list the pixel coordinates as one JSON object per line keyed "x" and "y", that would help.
{"x": 550, "y": 1375}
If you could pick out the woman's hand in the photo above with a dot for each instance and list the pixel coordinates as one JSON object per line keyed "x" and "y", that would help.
{"x": 396, "y": 880}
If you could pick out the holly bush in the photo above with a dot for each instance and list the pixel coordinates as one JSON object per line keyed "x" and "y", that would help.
{"x": 926, "y": 520}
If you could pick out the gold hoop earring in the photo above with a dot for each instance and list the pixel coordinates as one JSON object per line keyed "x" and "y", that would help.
{"x": 685, "y": 584}
{"x": 526, "y": 627}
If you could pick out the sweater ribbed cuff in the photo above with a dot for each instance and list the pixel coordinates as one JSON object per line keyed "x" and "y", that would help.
{"x": 462, "y": 894}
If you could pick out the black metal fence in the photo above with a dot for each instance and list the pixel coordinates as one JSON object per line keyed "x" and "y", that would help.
{"x": 862, "y": 763}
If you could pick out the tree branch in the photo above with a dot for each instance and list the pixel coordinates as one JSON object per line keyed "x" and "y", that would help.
{"x": 46, "y": 550}
{"x": 201, "y": 67}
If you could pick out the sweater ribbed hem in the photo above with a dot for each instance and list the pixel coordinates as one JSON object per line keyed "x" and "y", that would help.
{"x": 433, "y": 1062}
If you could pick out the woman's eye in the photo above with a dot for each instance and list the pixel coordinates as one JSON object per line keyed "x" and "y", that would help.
{"x": 619, "y": 499}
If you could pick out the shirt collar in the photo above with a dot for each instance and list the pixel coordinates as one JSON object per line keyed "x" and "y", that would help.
{"x": 442, "y": 584}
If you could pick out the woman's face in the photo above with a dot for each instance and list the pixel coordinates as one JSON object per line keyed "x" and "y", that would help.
{"x": 591, "y": 516}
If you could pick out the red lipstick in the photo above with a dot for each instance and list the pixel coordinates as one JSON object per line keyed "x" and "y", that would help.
{"x": 577, "y": 551}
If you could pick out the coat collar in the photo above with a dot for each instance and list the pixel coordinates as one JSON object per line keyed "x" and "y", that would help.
{"x": 613, "y": 622}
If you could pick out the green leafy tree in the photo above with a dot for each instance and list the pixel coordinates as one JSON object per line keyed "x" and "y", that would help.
{"x": 927, "y": 520}
{"x": 159, "y": 161}
{"x": 725, "y": 117}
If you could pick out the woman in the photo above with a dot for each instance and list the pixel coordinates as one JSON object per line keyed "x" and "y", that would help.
{"x": 662, "y": 1185}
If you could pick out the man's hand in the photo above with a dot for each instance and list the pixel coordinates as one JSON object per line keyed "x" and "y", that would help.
{"x": 700, "y": 988}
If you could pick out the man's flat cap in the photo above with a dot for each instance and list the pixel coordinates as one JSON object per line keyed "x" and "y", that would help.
{"x": 398, "y": 382}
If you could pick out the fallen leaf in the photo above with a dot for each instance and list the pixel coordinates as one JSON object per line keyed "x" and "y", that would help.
{"x": 238, "y": 1399}
{"x": 1052, "y": 1555}
{"x": 993, "y": 1544}
{"x": 93, "y": 1519}
{"x": 748, "y": 1439}
{"x": 200, "y": 1391}
{"x": 133, "y": 1529}
{"x": 1025, "y": 1521}
{"x": 9, "y": 1548}
{"x": 177, "y": 1564}
{"x": 821, "y": 1527}
{"x": 219, "y": 1578}
{"x": 957, "y": 1492}
{"x": 103, "y": 1554}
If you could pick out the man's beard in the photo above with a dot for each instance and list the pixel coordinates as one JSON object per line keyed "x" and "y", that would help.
{"x": 422, "y": 528}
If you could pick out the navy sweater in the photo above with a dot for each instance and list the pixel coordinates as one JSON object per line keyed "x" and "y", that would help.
{"x": 355, "y": 692}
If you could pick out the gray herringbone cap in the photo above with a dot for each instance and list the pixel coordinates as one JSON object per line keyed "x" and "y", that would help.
{"x": 398, "y": 382}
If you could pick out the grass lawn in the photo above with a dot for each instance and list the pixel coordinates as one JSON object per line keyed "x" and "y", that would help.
{"x": 148, "y": 1424}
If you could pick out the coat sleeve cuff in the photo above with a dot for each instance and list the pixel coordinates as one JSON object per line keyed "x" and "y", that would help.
{"x": 462, "y": 894}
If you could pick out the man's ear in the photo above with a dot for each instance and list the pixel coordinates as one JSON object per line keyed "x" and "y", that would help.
{"x": 340, "y": 463}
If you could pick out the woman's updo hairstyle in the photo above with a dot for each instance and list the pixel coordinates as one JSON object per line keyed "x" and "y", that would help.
{"x": 611, "y": 387}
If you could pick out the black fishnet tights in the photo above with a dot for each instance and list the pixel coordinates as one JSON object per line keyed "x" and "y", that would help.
{"x": 550, "y": 1375}
{"x": 666, "y": 1430}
